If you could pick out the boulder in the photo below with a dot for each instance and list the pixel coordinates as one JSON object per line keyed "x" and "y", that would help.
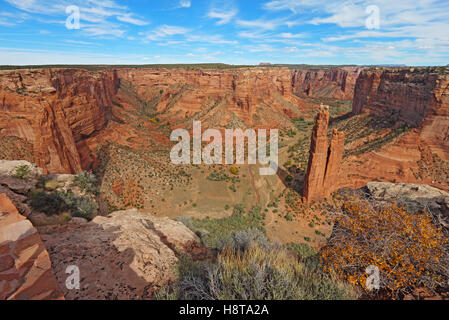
{"x": 414, "y": 197}
{"x": 25, "y": 267}
{"x": 8, "y": 167}
{"x": 7, "y": 171}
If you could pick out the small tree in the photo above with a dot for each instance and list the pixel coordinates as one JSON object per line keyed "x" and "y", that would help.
{"x": 22, "y": 172}
{"x": 86, "y": 181}
{"x": 234, "y": 170}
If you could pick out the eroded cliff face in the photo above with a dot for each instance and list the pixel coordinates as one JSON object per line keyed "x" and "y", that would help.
{"x": 55, "y": 110}
{"x": 324, "y": 159}
{"x": 252, "y": 96}
{"x": 58, "y": 111}
{"x": 416, "y": 99}
{"x": 418, "y": 96}
{"x": 335, "y": 83}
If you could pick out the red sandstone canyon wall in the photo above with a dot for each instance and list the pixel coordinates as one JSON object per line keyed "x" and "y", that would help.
{"x": 54, "y": 110}
{"x": 58, "y": 110}
{"x": 335, "y": 83}
{"x": 183, "y": 93}
{"x": 417, "y": 96}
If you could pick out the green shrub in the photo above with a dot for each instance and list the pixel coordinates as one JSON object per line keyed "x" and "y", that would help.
{"x": 243, "y": 239}
{"x": 22, "y": 172}
{"x": 51, "y": 185}
{"x": 218, "y": 176}
{"x": 303, "y": 250}
{"x": 84, "y": 208}
{"x": 54, "y": 203}
{"x": 213, "y": 231}
{"x": 256, "y": 273}
{"x": 48, "y": 203}
{"x": 86, "y": 181}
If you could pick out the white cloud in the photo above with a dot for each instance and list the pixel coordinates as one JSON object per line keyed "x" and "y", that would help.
{"x": 9, "y": 19}
{"x": 166, "y": 31}
{"x": 251, "y": 35}
{"x": 265, "y": 24}
{"x": 288, "y": 35}
{"x": 96, "y": 15}
{"x": 345, "y": 16}
{"x": 103, "y": 31}
{"x": 129, "y": 19}
{"x": 262, "y": 48}
{"x": 291, "y": 5}
{"x": 290, "y": 49}
{"x": 213, "y": 39}
{"x": 259, "y": 24}
{"x": 185, "y": 3}
{"x": 79, "y": 42}
{"x": 223, "y": 17}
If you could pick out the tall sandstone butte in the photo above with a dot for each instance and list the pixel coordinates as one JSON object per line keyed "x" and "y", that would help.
{"x": 25, "y": 267}
{"x": 324, "y": 159}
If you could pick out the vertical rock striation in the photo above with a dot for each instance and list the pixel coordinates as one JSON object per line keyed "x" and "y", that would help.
{"x": 335, "y": 154}
{"x": 55, "y": 110}
{"x": 324, "y": 159}
{"x": 337, "y": 83}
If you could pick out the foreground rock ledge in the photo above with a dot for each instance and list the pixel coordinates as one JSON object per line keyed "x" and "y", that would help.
{"x": 25, "y": 267}
{"x": 414, "y": 197}
{"x": 127, "y": 255}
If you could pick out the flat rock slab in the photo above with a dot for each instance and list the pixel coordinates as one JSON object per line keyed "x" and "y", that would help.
{"x": 414, "y": 197}
{"x": 127, "y": 255}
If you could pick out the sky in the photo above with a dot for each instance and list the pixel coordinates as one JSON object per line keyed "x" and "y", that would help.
{"x": 234, "y": 32}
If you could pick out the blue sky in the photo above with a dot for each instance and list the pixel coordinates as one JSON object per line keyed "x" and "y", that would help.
{"x": 234, "y": 32}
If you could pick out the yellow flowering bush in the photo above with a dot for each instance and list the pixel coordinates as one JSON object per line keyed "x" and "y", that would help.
{"x": 408, "y": 249}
